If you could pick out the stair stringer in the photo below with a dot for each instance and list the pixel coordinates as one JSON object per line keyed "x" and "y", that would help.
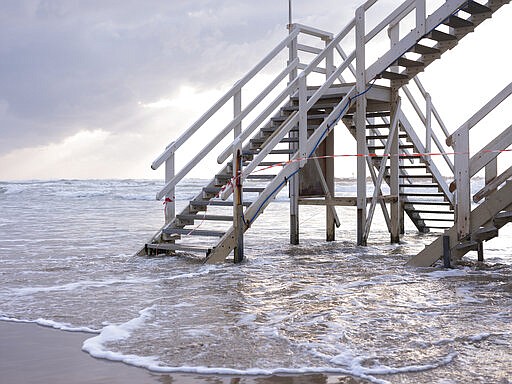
{"x": 480, "y": 216}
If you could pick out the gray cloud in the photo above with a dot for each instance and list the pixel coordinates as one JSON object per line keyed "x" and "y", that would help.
{"x": 67, "y": 65}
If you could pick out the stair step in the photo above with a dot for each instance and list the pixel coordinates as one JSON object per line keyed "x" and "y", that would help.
{"x": 176, "y": 247}
{"x": 382, "y": 137}
{"x": 412, "y": 166}
{"x": 261, "y": 177}
{"x": 418, "y": 185}
{"x": 408, "y": 63}
{"x": 502, "y": 218}
{"x": 216, "y": 203}
{"x": 273, "y": 152}
{"x": 394, "y": 76}
{"x": 194, "y": 232}
{"x": 205, "y": 217}
{"x": 270, "y": 163}
{"x": 402, "y": 146}
{"x": 253, "y": 189}
{"x": 467, "y": 246}
{"x": 433, "y": 211}
{"x": 484, "y": 233}
{"x": 422, "y": 194}
{"x": 261, "y": 140}
{"x": 426, "y": 202}
{"x": 457, "y": 22}
{"x": 438, "y": 227}
{"x": 402, "y": 156}
{"x": 440, "y": 36}
{"x": 437, "y": 219}
{"x": 427, "y": 176}
{"x": 425, "y": 50}
{"x": 474, "y": 8}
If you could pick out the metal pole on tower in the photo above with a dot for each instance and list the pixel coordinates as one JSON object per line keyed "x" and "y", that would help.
{"x": 289, "y": 14}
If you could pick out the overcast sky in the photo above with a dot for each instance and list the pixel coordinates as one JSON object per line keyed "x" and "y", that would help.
{"x": 98, "y": 88}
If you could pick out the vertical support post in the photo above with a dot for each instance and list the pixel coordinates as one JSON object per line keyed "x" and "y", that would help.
{"x": 447, "y": 254}
{"x": 360, "y": 117}
{"x": 238, "y": 215}
{"x": 170, "y": 204}
{"x": 395, "y": 206}
{"x": 462, "y": 182}
{"x": 394, "y": 175}
{"x": 428, "y": 127}
{"x": 330, "y": 219}
{"x": 294, "y": 186}
{"x": 480, "y": 251}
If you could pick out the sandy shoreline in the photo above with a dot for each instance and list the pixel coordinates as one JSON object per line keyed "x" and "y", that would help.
{"x": 31, "y": 354}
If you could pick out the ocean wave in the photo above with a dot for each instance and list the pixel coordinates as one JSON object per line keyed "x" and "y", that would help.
{"x": 77, "y": 285}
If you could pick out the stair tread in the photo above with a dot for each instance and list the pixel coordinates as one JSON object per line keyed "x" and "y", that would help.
{"x": 440, "y": 36}
{"x": 426, "y": 202}
{"x": 433, "y": 211}
{"x": 457, "y": 22}
{"x": 502, "y": 218}
{"x": 379, "y": 137}
{"x": 422, "y": 194}
{"x": 408, "y": 63}
{"x": 176, "y": 247}
{"x": 474, "y": 8}
{"x": 205, "y": 217}
{"x": 484, "y": 233}
{"x": 419, "y": 185}
{"x": 193, "y": 232}
{"x": 220, "y": 203}
{"x": 467, "y": 245}
{"x": 261, "y": 177}
{"x": 425, "y": 50}
{"x": 394, "y": 76}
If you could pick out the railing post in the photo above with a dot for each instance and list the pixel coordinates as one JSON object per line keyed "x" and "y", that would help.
{"x": 460, "y": 140}
{"x": 361, "y": 125}
{"x": 330, "y": 212}
{"x": 238, "y": 213}
{"x": 303, "y": 119}
{"x": 421, "y": 16}
{"x": 169, "y": 203}
{"x": 428, "y": 127}
{"x": 292, "y": 52}
{"x": 237, "y": 109}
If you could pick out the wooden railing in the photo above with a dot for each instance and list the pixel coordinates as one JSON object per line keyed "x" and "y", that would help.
{"x": 467, "y": 167}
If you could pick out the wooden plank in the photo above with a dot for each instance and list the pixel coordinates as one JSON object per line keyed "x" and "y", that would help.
{"x": 176, "y": 247}
{"x": 193, "y": 232}
{"x": 346, "y": 201}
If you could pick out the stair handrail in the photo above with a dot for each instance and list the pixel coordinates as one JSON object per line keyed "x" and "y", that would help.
{"x": 426, "y": 120}
{"x": 223, "y": 100}
{"x": 466, "y": 167}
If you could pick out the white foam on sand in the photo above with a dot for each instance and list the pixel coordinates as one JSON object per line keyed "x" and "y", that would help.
{"x": 51, "y": 324}
{"x": 96, "y": 346}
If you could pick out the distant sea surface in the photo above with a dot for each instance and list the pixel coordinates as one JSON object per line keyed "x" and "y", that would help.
{"x": 67, "y": 260}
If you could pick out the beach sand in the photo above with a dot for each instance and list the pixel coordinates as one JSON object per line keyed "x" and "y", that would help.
{"x": 31, "y": 354}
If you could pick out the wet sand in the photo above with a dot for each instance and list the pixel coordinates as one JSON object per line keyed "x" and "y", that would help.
{"x": 31, "y": 354}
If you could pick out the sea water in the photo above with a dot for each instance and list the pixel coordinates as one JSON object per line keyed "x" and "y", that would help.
{"x": 67, "y": 260}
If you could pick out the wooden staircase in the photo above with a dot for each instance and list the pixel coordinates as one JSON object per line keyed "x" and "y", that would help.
{"x": 302, "y": 116}
{"x": 486, "y": 219}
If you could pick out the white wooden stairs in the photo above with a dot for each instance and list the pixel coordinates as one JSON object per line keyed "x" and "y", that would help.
{"x": 301, "y": 118}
